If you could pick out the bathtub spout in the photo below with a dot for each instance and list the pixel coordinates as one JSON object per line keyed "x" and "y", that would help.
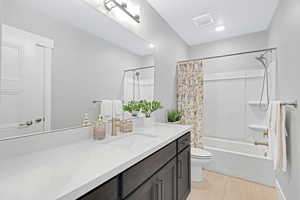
{"x": 261, "y": 143}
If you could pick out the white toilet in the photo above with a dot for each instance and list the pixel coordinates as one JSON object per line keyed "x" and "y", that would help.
{"x": 199, "y": 157}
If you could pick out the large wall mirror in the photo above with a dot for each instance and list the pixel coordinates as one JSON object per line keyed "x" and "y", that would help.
{"x": 59, "y": 57}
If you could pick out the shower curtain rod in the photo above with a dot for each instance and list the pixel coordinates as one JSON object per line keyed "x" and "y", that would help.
{"x": 228, "y": 55}
{"x": 138, "y": 68}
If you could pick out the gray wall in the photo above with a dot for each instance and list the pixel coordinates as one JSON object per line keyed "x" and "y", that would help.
{"x": 248, "y": 42}
{"x": 85, "y": 67}
{"x": 285, "y": 34}
{"x": 148, "y": 60}
{"x": 0, "y": 34}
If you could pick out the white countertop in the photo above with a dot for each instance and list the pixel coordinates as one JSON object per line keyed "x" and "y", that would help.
{"x": 70, "y": 171}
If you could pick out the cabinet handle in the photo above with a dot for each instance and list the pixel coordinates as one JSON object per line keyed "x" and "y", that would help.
{"x": 161, "y": 189}
{"x": 180, "y": 169}
{"x": 156, "y": 191}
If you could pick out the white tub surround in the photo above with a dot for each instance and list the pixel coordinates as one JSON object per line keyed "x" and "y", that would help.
{"x": 231, "y": 131}
{"x": 240, "y": 159}
{"x": 68, "y": 172}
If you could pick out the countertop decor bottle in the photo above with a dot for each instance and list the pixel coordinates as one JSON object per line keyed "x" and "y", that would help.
{"x": 123, "y": 127}
{"x": 86, "y": 122}
{"x": 99, "y": 129}
{"x": 126, "y": 126}
{"x": 116, "y": 124}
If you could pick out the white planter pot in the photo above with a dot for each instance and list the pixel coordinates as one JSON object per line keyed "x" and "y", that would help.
{"x": 148, "y": 122}
{"x": 138, "y": 122}
{"x": 134, "y": 113}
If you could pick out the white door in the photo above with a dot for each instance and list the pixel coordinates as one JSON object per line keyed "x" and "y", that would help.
{"x": 23, "y": 83}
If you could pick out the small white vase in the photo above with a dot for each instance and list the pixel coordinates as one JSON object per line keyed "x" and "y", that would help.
{"x": 149, "y": 121}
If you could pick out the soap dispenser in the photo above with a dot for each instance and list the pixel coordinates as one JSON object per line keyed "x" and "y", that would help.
{"x": 99, "y": 129}
{"x": 86, "y": 122}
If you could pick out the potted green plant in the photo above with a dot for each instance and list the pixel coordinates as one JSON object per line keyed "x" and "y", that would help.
{"x": 148, "y": 107}
{"x": 133, "y": 107}
{"x": 174, "y": 117}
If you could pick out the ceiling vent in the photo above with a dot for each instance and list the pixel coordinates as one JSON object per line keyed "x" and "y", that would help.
{"x": 203, "y": 20}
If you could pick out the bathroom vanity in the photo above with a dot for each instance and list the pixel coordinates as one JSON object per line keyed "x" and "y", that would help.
{"x": 164, "y": 175}
{"x": 150, "y": 164}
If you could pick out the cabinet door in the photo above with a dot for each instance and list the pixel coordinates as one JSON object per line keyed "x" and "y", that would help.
{"x": 139, "y": 173}
{"x": 184, "y": 174}
{"x": 167, "y": 178}
{"x": 162, "y": 186}
{"x": 150, "y": 190}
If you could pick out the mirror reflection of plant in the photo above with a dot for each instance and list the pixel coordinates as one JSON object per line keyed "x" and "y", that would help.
{"x": 149, "y": 107}
{"x": 133, "y": 107}
{"x": 174, "y": 116}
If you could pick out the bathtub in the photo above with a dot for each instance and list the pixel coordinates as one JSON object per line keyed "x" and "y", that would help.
{"x": 241, "y": 160}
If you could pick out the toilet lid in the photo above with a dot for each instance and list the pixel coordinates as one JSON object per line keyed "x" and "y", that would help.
{"x": 200, "y": 153}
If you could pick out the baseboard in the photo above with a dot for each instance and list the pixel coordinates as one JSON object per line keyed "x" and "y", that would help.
{"x": 280, "y": 193}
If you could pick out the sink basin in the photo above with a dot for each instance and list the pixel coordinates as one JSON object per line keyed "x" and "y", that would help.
{"x": 132, "y": 142}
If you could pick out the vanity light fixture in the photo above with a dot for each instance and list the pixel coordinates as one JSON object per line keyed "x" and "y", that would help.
{"x": 112, "y": 4}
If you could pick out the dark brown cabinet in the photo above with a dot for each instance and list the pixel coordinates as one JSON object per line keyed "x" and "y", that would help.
{"x": 161, "y": 186}
{"x": 183, "y": 142}
{"x": 107, "y": 191}
{"x": 165, "y": 175}
{"x": 184, "y": 174}
{"x": 147, "y": 191}
{"x": 168, "y": 181}
{"x": 136, "y": 175}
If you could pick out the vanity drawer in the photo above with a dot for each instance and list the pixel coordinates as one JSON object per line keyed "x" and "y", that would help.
{"x": 184, "y": 141}
{"x": 136, "y": 175}
{"x": 107, "y": 191}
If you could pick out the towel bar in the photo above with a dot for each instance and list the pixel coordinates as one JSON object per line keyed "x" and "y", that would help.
{"x": 100, "y": 101}
{"x": 97, "y": 102}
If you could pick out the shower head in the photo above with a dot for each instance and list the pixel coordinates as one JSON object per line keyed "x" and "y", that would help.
{"x": 264, "y": 61}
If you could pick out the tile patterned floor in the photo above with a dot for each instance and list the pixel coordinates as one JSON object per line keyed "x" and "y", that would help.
{"x": 220, "y": 187}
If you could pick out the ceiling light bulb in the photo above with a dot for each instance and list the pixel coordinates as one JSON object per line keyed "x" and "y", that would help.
{"x": 220, "y": 28}
{"x": 151, "y": 45}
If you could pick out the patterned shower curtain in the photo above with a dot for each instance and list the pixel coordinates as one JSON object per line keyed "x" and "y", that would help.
{"x": 190, "y": 97}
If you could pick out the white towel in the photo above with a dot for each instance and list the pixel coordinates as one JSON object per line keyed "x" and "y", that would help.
{"x": 117, "y": 108}
{"x": 106, "y": 109}
{"x": 276, "y": 118}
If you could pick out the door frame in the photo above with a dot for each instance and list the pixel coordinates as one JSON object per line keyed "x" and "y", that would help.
{"x": 47, "y": 45}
